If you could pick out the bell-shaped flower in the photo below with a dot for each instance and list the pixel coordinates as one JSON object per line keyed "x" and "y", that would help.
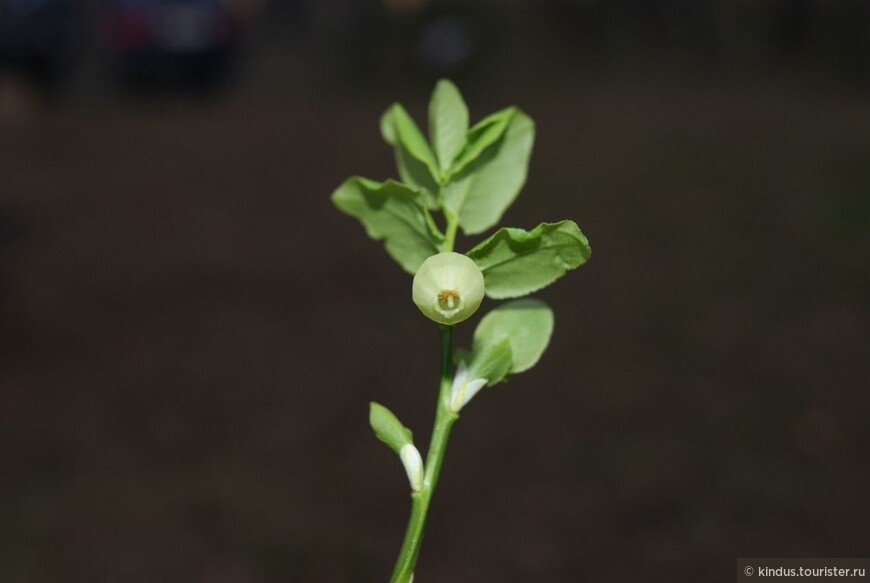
{"x": 448, "y": 288}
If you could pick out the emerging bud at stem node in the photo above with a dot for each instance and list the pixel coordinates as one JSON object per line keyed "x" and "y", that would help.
{"x": 464, "y": 388}
{"x": 413, "y": 463}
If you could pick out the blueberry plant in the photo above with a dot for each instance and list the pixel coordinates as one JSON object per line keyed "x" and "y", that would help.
{"x": 469, "y": 176}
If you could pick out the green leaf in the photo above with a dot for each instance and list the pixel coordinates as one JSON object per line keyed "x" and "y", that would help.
{"x": 393, "y": 212}
{"x": 388, "y": 127}
{"x": 460, "y": 354}
{"x": 484, "y": 134}
{"x": 516, "y": 262}
{"x": 408, "y": 134}
{"x": 488, "y": 184}
{"x": 491, "y": 362}
{"x": 414, "y": 159}
{"x": 448, "y": 122}
{"x": 415, "y": 173}
{"x": 526, "y": 324}
{"x": 434, "y": 230}
{"x": 388, "y": 428}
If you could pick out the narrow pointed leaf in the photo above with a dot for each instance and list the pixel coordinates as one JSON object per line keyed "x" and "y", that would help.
{"x": 414, "y": 160}
{"x": 516, "y": 262}
{"x": 388, "y": 428}
{"x": 388, "y": 127}
{"x": 526, "y": 324}
{"x": 448, "y": 122}
{"x": 484, "y": 134}
{"x": 416, "y": 174}
{"x": 412, "y": 138}
{"x": 488, "y": 184}
{"x": 392, "y": 212}
{"x": 434, "y": 231}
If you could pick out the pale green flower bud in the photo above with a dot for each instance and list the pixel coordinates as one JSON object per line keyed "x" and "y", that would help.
{"x": 464, "y": 388}
{"x": 448, "y": 288}
{"x": 413, "y": 463}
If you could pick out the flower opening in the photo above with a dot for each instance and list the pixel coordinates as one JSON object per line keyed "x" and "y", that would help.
{"x": 448, "y": 288}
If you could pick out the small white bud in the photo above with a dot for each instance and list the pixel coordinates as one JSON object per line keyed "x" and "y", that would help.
{"x": 413, "y": 463}
{"x": 448, "y": 288}
{"x": 463, "y": 388}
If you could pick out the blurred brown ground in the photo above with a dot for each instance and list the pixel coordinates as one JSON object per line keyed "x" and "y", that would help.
{"x": 191, "y": 334}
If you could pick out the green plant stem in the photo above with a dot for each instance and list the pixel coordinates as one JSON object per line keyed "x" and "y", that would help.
{"x": 444, "y": 420}
{"x": 450, "y": 235}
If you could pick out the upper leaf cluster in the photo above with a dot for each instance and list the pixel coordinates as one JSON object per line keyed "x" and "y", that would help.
{"x": 470, "y": 174}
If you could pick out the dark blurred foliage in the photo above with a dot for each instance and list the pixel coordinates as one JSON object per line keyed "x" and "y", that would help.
{"x": 190, "y": 333}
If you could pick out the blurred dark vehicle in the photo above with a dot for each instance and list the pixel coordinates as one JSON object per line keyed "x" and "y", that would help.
{"x": 159, "y": 43}
{"x": 38, "y": 42}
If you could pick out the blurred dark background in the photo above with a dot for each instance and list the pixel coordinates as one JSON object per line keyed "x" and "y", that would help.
{"x": 190, "y": 333}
